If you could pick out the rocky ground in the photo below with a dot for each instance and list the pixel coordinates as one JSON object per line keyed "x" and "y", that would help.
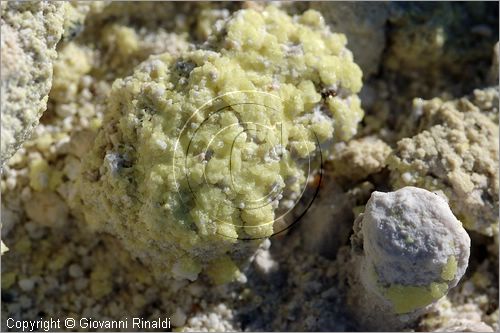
{"x": 430, "y": 97}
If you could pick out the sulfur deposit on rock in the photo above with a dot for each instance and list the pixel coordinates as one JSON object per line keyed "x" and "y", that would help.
{"x": 409, "y": 250}
{"x": 359, "y": 158}
{"x": 198, "y": 151}
{"x": 456, "y": 152}
{"x": 75, "y": 13}
{"x": 56, "y": 266}
{"x": 72, "y": 64}
{"x": 363, "y": 23}
{"x": 30, "y": 32}
{"x": 127, "y": 33}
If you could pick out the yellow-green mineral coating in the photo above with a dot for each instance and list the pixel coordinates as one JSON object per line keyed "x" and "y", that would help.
{"x": 414, "y": 251}
{"x": 197, "y": 151}
{"x": 408, "y": 298}
{"x": 450, "y": 269}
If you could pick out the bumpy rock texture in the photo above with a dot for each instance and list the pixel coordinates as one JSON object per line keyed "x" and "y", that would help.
{"x": 198, "y": 151}
{"x": 30, "y": 32}
{"x": 364, "y": 25}
{"x": 359, "y": 158}
{"x": 456, "y": 151}
{"x": 57, "y": 266}
{"x": 409, "y": 250}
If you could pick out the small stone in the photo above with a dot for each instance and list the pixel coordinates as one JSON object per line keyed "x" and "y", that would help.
{"x": 26, "y": 284}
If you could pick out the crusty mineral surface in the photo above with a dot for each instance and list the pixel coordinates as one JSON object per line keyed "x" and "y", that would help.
{"x": 456, "y": 151}
{"x": 359, "y": 158}
{"x": 198, "y": 151}
{"x": 364, "y": 25}
{"x": 302, "y": 279}
{"x": 30, "y": 32}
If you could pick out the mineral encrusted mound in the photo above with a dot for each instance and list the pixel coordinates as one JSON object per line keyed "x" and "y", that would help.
{"x": 455, "y": 150}
{"x": 201, "y": 150}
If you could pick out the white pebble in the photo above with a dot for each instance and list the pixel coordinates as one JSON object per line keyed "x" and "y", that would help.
{"x": 406, "y": 177}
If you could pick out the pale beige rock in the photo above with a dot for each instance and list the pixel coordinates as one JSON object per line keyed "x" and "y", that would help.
{"x": 30, "y": 32}
{"x": 359, "y": 158}
{"x": 456, "y": 151}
